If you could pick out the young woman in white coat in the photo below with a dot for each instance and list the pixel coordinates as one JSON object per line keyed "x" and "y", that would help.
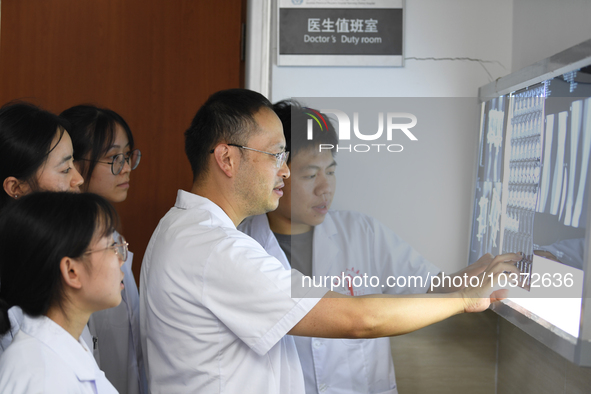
{"x": 104, "y": 154}
{"x": 35, "y": 154}
{"x": 60, "y": 263}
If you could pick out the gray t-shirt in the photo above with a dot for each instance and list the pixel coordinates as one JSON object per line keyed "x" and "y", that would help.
{"x": 298, "y": 250}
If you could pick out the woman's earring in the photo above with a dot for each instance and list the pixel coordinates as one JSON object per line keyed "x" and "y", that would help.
{"x": 16, "y": 196}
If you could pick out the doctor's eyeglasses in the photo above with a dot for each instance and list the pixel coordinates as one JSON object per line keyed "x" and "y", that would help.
{"x": 120, "y": 248}
{"x": 281, "y": 157}
{"x": 132, "y": 158}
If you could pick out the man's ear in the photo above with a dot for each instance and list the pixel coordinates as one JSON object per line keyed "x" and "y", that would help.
{"x": 225, "y": 159}
{"x": 15, "y": 188}
{"x": 70, "y": 270}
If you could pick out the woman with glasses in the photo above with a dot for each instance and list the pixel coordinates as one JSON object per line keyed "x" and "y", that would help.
{"x": 35, "y": 154}
{"x": 60, "y": 263}
{"x": 105, "y": 155}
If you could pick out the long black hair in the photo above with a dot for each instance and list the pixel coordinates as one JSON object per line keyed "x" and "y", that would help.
{"x": 26, "y": 136}
{"x": 36, "y": 232}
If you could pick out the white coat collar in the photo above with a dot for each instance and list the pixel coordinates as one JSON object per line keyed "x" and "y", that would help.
{"x": 74, "y": 352}
{"x": 187, "y": 200}
{"x": 328, "y": 227}
{"x": 326, "y": 250}
{"x": 259, "y": 229}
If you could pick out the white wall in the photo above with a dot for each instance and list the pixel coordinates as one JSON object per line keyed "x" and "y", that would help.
{"x": 434, "y": 28}
{"x": 542, "y": 28}
{"x": 432, "y": 200}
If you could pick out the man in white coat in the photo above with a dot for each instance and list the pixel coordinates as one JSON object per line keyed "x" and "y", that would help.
{"x": 215, "y": 307}
{"x": 303, "y": 233}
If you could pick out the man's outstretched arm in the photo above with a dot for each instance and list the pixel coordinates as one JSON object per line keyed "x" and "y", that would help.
{"x": 379, "y": 315}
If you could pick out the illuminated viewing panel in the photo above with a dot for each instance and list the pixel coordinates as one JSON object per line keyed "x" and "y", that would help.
{"x": 532, "y": 193}
{"x": 549, "y": 309}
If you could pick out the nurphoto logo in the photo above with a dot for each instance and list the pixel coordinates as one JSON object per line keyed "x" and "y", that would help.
{"x": 395, "y": 122}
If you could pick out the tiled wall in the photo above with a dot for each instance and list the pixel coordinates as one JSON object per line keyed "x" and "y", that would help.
{"x": 482, "y": 354}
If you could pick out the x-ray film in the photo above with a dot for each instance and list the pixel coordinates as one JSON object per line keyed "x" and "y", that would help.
{"x": 533, "y": 174}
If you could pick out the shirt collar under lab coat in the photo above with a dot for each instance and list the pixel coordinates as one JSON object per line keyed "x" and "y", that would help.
{"x": 325, "y": 248}
{"x": 74, "y": 352}
{"x": 260, "y": 230}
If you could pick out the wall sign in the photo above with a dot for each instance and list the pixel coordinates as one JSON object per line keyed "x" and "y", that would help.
{"x": 340, "y": 33}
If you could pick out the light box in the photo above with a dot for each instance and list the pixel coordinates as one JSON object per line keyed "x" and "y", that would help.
{"x": 532, "y": 194}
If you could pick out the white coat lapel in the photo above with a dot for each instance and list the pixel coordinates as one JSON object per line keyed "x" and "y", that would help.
{"x": 261, "y": 232}
{"x": 326, "y": 251}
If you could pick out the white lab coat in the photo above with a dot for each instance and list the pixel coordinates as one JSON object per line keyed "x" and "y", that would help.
{"x": 355, "y": 244}
{"x": 15, "y": 315}
{"x": 116, "y": 331}
{"x": 215, "y": 307}
{"x": 112, "y": 335}
{"x": 45, "y": 358}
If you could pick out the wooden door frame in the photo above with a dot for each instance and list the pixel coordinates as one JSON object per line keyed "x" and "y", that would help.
{"x": 258, "y": 46}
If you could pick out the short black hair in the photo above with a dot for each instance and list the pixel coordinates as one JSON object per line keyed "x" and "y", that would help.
{"x": 93, "y": 132}
{"x": 26, "y": 134}
{"x": 226, "y": 117}
{"x": 36, "y": 232}
{"x": 295, "y": 126}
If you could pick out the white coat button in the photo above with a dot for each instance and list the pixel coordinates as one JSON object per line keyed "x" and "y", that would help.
{"x": 317, "y": 344}
{"x": 322, "y": 387}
